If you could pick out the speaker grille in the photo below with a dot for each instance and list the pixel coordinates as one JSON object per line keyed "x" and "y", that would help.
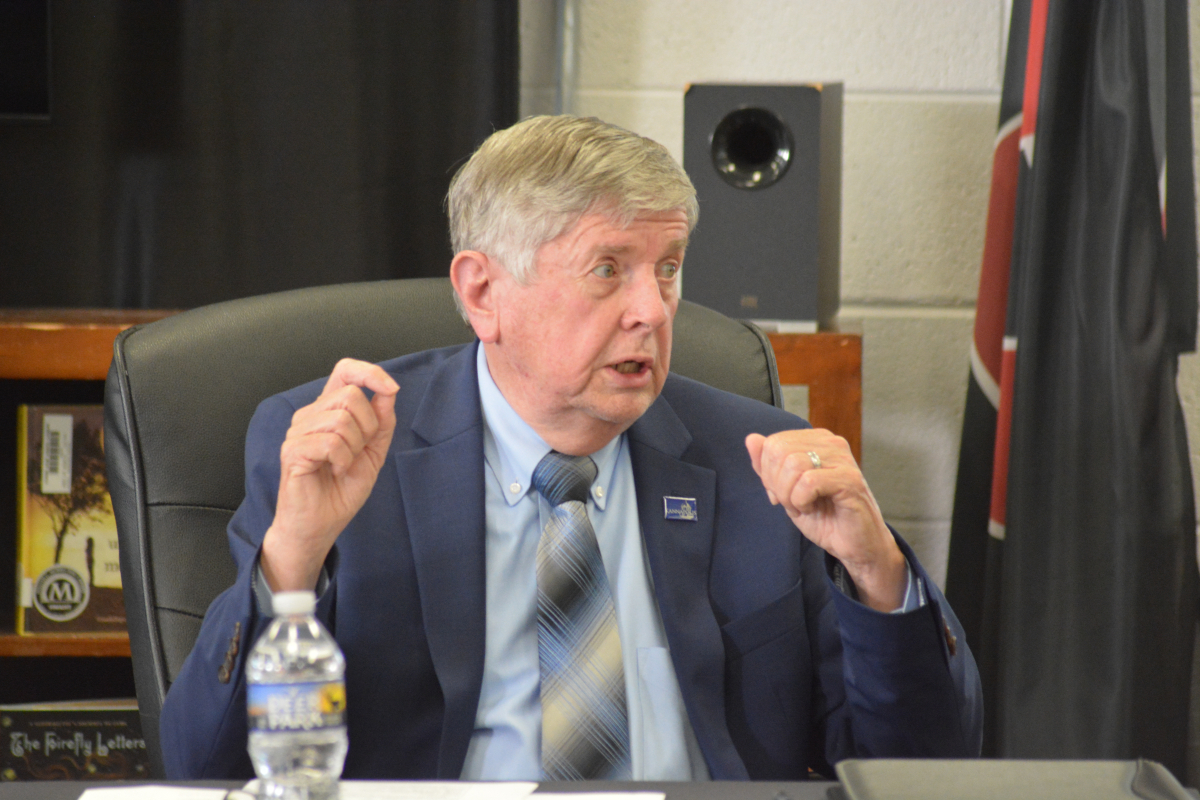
{"x": 751, "y": 148}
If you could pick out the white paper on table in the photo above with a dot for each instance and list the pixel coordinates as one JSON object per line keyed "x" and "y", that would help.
{"x": 435, "y": 790}
{"x": 152, "y": 792}
{"x": 374, "y": 790}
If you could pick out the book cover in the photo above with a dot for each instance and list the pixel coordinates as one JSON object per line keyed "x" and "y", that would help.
{"x": 68, "y": 569}
{"x": 78, "y": 741}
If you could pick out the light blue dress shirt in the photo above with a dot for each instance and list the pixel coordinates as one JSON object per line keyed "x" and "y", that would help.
{"x": 506, "y": 744}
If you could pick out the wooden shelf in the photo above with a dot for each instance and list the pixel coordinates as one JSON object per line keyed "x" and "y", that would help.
{"x": 38, "y": 646}
{"x": 60, "y": 345}
{"x": 63, "y": 344}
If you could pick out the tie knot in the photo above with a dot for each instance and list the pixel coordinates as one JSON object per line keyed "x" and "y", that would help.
{"x": 560, "y": 478}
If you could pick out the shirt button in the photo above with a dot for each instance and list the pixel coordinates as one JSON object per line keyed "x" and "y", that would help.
{"x": 599, "y": 490}
{"x": 514, "y": 488}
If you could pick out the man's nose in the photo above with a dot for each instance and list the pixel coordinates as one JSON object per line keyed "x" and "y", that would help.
{"x": 647, "y": 304}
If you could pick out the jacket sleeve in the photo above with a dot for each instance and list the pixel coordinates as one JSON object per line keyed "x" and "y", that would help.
{"x": 203, "y": 723}
{"x": 910, "y": 686}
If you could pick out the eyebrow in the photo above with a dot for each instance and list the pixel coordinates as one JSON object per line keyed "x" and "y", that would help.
{"x": 676, "y": 246}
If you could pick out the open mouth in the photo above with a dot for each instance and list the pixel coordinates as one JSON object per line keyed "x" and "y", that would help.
{"x": 629, "y": 367}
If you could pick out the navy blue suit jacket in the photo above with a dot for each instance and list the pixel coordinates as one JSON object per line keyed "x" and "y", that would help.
{"x": 779, "y": 671}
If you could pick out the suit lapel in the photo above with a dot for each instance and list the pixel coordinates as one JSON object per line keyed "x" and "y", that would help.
{"x": 680, "y": 556}
{"x": 444, "y": 510}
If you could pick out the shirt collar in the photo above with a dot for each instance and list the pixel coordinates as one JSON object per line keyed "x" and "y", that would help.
{"x": 512, "y": 448}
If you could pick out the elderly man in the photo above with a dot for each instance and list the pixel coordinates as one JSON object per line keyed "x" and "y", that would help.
{"x": 545, "y": 556}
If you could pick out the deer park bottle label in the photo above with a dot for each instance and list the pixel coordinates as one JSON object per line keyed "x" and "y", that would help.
{"x": 296, "y": 706}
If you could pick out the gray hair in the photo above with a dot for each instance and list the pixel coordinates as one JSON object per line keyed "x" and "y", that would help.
{"x": 528, "y": 184}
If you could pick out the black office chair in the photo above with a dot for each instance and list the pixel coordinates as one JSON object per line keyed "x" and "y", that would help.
{"x": 181, "y": 392}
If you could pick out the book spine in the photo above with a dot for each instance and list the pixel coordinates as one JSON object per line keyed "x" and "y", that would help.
{"x": 24, "y": 584}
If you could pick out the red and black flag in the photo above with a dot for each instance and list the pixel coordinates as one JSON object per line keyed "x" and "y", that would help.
{"x": 1072, "y": 553}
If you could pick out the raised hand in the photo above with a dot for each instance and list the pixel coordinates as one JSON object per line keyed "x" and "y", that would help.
{"x": 814, "y": 476}
{"x": 328, "y": 465}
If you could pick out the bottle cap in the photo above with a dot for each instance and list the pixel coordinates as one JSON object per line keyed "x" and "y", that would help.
{"x": 285, "y": 603}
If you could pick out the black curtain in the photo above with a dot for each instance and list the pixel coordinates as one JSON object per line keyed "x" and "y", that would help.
{"x": 204, "y": 150}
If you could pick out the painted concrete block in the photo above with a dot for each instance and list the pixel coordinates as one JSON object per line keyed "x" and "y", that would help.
{"x": 656, "y": 114}
{"x": 916, "y": 175}
{"x": 930, "y": 540}
{"x": 935, "y": 45}
{"x": 1189, "y": 397}
{"x": 915, "y": 366}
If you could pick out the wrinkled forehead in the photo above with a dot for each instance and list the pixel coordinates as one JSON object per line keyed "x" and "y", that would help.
{"x": 611, "y": 230}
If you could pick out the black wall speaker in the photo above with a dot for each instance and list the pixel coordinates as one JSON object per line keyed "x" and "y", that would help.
{"x": 767, "y": 165}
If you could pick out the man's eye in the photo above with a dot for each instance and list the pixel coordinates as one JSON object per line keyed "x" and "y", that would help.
{"x": 605, "y": 271}
{"x": 668, "y": 271}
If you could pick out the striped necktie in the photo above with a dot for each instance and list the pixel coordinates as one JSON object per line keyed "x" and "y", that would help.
{"x": 585, "y": 733}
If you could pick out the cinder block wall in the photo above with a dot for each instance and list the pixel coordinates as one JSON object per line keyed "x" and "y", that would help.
{"x": 922, "y": 91}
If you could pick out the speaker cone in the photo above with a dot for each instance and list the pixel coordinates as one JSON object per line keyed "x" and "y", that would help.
{"x": 751, "y": 148}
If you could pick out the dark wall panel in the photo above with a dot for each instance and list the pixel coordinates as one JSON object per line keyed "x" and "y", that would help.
{"x": 199, "y": 151}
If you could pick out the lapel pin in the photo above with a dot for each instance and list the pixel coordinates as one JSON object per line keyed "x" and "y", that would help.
{"x": 681, "y": 508}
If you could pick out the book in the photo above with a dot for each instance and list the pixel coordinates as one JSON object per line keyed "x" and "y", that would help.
{"x": 68, "y": 564}
{"x": 85, "y": 740}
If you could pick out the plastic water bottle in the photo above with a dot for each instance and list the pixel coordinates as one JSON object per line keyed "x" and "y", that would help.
{"x": 296, "y": 702}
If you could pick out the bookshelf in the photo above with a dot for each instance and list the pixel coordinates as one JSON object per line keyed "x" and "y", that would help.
{"x": 50, "y": 356}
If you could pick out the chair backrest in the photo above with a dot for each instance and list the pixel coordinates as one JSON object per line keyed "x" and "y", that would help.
{"x": 180, "y": 394}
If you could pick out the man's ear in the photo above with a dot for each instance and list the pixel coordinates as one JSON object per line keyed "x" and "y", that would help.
{"x": 474, "y": 276}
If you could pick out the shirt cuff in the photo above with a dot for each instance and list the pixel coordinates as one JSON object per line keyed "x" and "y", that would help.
{"x": 264, "y": 597}
{"x": 914, "y": 589}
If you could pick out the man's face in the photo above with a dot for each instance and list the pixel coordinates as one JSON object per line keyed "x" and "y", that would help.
{"x": 584, "y": 349}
